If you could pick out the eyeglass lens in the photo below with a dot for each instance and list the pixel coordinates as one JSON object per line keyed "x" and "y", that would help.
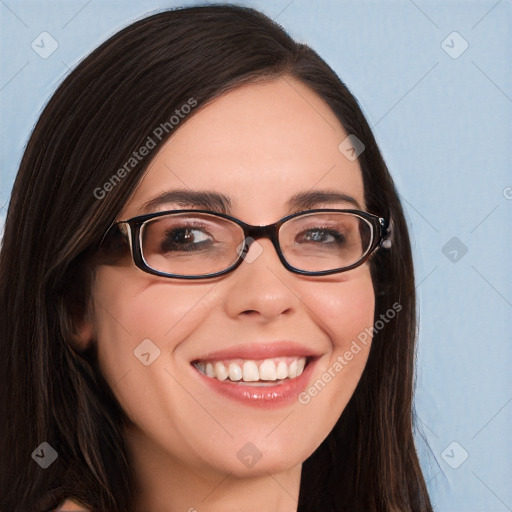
{"x": 201, "y": 244}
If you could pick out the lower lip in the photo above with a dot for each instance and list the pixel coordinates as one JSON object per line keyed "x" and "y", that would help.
{"x": 266, "y": 396}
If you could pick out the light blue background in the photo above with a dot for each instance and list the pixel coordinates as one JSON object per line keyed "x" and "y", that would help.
{"x": 444, "y": 126}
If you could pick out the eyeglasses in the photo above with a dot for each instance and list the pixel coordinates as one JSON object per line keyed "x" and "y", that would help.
{"x": 198, "y": 244}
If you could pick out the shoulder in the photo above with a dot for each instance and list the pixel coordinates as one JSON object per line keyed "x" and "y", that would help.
{"x": 70, "y": 505}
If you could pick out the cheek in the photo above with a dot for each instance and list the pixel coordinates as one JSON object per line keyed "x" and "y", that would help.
{"x": 346, "y": 309}
{"x": 135, "y": 317}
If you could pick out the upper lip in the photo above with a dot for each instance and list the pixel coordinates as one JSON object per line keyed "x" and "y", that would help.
{"x": 263, "y": 350}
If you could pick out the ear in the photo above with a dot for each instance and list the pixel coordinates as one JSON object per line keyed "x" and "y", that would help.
{"x": 77, "y": 306}
{"x": 82, "y": 327}
{"x": 83, "y": 334}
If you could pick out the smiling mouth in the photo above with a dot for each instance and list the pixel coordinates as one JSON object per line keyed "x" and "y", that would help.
{"x": 253, "y": 372}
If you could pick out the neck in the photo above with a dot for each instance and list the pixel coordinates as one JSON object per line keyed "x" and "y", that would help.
{"x": 170, "y": 484}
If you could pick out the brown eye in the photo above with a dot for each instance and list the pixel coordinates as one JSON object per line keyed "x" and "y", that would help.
{"x": 184, "y": 239}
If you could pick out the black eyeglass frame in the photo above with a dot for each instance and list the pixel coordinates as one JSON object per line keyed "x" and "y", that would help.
{"x": 379, "y": 225}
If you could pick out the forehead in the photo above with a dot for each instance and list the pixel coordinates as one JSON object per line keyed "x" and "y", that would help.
{"x": 259, "y": 144}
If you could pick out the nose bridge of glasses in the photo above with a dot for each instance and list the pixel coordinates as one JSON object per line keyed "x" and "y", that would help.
{"x": 253, "y": 233}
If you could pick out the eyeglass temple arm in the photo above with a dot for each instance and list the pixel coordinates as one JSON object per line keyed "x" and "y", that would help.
{"x": 117, "y": 227}
{"x": 386, "y": 233}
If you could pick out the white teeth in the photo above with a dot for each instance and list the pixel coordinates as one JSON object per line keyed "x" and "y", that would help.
{"x": 234, "y": 372}
{"x": 250, "y": 372}
{"x": 300, "y": 366}
{"x": 269, "y": 370}
{"x": 282, "y": 370}
{"x": 292, "y": 370}
{"x": 220, "y": 371}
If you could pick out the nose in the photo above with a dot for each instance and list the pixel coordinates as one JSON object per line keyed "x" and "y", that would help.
{"x": 261, "y": 287}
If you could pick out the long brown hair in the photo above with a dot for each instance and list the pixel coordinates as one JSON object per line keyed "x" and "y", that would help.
{"x": 103, "y": 112}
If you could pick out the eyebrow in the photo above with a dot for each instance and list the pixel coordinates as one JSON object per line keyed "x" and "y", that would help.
{"x": 204, "y": 199}
{"x": 217, "y": 202}
{"x": 315, "y": 198}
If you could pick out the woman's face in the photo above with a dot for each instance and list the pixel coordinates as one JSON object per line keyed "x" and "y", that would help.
{"x": 259, "y": 145}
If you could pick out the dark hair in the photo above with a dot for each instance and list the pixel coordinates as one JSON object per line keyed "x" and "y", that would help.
{"x": 102, "y": 112}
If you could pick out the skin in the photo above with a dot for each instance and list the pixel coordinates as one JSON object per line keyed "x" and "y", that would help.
{"x": 260, "y": 144}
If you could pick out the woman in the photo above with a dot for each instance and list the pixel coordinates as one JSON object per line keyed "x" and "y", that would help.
{"x": 170, "y": 352}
